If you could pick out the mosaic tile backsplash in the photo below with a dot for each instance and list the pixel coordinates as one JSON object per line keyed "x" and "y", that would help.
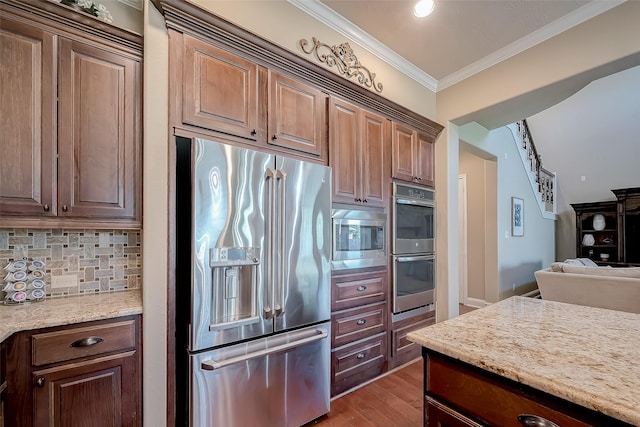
{"x": 102, "y": 260}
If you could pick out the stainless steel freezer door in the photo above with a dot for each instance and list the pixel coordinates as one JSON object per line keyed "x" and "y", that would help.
{"x": 303, "y": 259}
{"x": 282, "y": 380}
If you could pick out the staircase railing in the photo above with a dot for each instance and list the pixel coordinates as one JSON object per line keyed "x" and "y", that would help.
{"x": 545, "y": 179}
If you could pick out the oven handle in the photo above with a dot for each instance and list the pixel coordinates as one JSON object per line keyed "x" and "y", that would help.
{"x": 414, "y": 258}
{"x": 212, "y": 365}
{"x": 414, "y": 202}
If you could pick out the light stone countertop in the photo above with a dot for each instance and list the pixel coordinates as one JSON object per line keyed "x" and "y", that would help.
{"x": 68, "y": 310}
{"x": 589, "y": 356}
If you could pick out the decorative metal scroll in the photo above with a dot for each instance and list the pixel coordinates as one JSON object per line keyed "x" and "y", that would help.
{"x": 343, "y": 58}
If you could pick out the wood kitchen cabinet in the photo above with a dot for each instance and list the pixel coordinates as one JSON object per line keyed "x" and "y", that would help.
{"x": 412, "y": 155}
{"x": 221, "y": 90}
{"x": 359, "y": 141}
{"x": 71, "y": 128}
{"x": 297, "y": 115}
{"x": 233, "y": 96}
{"x": 403, "y": 350}
{"x": 79, "y": 375}
{"x": 358, "y": 328}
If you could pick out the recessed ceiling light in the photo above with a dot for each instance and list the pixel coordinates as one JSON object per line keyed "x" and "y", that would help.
{"x": 423, "y": 8}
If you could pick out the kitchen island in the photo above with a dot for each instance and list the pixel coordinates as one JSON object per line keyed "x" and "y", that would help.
{"x": 570, "y": 364}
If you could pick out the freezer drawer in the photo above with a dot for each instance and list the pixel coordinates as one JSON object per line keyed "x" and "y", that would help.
{"x": 282, "y": 380}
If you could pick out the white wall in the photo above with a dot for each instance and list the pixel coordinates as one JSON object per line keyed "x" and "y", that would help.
{"x": 593, "y": 134}
{"x": 518, "y": 257}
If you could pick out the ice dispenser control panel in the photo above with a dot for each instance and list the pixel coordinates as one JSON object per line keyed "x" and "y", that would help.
{"x": 227, "y": 257}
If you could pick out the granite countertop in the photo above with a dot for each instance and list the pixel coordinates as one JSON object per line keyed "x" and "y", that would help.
{"x": 589, "y": 356}
{"x": 68, "y": 310}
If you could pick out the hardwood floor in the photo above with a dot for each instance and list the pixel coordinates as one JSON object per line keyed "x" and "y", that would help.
{"x": 394, "y": 400}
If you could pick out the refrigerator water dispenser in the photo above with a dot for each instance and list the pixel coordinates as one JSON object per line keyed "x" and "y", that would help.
{"x": 234, "y": 282}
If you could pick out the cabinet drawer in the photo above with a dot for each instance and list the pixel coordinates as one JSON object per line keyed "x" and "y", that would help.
{"x": 403, "y": 350}
{"x": 491, "y": 400}
{"x": 354, "y": 324}
{"x": 360, "y": 356}
{"x": 352, "y": 290}
{"x": 73, "y": 343}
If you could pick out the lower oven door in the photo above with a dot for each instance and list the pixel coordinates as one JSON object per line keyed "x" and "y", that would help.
{"x": 281, "y": 380}
{"x": 413, "y": 281}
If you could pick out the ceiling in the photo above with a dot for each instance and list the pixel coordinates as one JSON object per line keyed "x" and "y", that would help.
{"x": 460, "y": 37}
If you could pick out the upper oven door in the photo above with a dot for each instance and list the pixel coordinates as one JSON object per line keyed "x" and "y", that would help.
{"x": 413, "y": 226}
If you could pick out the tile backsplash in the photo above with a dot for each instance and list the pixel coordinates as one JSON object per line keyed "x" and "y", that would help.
{"x": 101, "y": 260}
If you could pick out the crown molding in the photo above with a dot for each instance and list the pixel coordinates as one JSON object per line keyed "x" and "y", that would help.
{"x": 558, "y": 26}
{"x": 345, "y": 27}
{"x": 348, "y": 29}
{"x": 136, "y": 4}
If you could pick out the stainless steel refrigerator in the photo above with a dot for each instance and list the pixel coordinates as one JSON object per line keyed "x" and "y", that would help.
{"x": 254, "y": 247}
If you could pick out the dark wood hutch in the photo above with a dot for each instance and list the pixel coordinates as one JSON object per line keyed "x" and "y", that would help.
{"x": 617, "y": 241}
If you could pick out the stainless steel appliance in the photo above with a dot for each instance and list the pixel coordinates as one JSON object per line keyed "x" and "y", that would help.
{"x": 413, "y": 257}
{"x": 413, "y": 219}
{"x": 359, "y": 238}
{"x": 254, "y": 257}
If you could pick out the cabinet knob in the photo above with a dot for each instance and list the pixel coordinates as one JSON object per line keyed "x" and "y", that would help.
{"x": 365, "y": 201}
{"x": 358, "y": 200}
{"x": 40, "y": 382}
{"x": 361, "y": 288}
{"x": 361, "y": 321}
{"x": 535, "y": 421}
{"x": 253, "y": 132}
{"x": 360, "y": 356}
{"x": 419, "y": 179}
{"x": 46, "y": 208}
{"x": 64, "y": 208}
{"x": 415, "y": 179}
{"x": 274, "y": 137}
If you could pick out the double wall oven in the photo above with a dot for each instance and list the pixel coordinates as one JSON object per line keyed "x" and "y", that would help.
{"x": 413, "y": 231}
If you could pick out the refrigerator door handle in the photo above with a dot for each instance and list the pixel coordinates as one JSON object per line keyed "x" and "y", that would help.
{"x": 212, "y": 365}
{"x": 279, "y": 304}
{"x": 269, "y": 244}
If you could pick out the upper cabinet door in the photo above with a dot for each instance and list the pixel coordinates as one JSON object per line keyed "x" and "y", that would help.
{"x": 425, "y": 154}
{"x": 403, "y": 157}
{"x": 220, "y": 90}
{"x": 27, "y": 120}
{"x": 297, "y": 115}
{"x": 344, "y": 152}
{"x": 375, "y": 139}
{"x": 98, "y": 132}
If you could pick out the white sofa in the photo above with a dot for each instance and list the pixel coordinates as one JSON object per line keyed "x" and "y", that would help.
{"x": 604, "y": 287}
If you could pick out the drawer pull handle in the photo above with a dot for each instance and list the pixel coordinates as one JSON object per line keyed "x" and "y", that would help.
{"x": 535, "y": 421}
{"x": 86, "y": 342}
{"x": 360, "y": 356}
{"x": 361, "y": 288}
{"x": 361, "y": 321}
{"x": 40, "y": 382}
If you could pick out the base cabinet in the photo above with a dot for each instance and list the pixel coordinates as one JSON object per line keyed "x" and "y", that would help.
{"x": 75, "y": 376}
{"x": 458, "y": 394}
{"x": 358, "y": 328}
{"x": 97, "y": 393}
{"x": 403, "y": 350}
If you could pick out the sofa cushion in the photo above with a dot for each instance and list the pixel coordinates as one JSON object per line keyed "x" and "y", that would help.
{"x": 632, "y": 272}
{"x": 582, "y": 262}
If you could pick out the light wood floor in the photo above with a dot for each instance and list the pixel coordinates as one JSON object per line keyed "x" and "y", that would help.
{"x": 393, "y": 400}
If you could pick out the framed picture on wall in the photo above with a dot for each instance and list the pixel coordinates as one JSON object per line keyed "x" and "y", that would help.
{"x": 517, "y": 216}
